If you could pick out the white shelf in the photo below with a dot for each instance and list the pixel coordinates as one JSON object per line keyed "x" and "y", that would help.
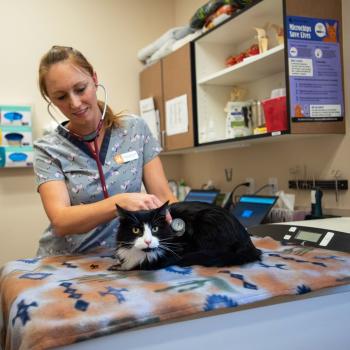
{"x": 251, "y": 69}
{"x": 241, "y": 27}
{"x": 250, "y": 142}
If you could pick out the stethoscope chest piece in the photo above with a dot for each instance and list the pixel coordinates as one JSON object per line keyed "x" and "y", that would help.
{"x": 178, "y": 226}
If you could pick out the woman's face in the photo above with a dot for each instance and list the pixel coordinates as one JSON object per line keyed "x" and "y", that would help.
{"x": 73, "y": 92}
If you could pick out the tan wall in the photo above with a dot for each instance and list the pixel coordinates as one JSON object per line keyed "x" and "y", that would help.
{"x": 109, "y": 33}
{"x": 319, "y": 155}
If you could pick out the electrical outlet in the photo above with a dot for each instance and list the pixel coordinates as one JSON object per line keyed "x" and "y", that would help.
{"x": 274, "y": 185}
{"x": 251, "y": 187}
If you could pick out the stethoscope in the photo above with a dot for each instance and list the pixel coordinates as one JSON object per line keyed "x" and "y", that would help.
{"x": 88, "y": 139}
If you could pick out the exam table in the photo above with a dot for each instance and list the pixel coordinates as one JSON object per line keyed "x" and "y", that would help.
{"x": 297, "y": 296}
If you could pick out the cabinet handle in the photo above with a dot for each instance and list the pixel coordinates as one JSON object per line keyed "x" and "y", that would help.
{"x": 162, "y": 141}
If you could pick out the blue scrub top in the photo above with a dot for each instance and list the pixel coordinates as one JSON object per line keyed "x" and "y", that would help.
{"x": 60, "y": 156}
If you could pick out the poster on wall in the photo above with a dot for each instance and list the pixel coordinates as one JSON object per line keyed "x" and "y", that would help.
{"x": 315, "y": 71}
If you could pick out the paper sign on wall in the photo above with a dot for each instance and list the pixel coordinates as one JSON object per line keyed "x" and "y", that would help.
{"x": 151, "y": 116}
{"x": 315, "y": 71}
{"x": 176, "y": 115}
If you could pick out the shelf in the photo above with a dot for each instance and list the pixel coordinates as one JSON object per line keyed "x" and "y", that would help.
{"x": 248, "y": 141}
{"x": 258, "y": 15}
{"x": 251, "y": 69}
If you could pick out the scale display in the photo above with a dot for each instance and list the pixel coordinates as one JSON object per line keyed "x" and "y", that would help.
{"x": 304, "y": 236}
{"x": 308, "y": 236}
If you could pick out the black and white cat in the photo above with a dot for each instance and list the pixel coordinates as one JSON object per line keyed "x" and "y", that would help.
{"x": 212, "y": 237}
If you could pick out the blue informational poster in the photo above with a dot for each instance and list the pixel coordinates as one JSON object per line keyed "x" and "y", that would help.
{"x": 315, "y": 71}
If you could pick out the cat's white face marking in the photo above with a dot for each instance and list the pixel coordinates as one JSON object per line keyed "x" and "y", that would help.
{"x": 134, "y": 256}
{"x": 147, "y": 240}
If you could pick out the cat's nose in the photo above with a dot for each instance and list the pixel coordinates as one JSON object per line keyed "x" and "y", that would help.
{"x": 147, "y": 241}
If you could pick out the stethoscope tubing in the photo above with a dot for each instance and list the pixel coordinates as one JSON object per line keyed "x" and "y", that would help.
{"x": 96, "y": 155}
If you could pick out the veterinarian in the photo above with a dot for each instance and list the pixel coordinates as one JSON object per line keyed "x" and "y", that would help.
{"x": 92, "y": 161}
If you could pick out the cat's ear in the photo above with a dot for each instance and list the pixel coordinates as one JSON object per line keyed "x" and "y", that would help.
{"x": 121, "y": 211}
{"x": 162, "y": 210}
{"x": 125, "y": 214}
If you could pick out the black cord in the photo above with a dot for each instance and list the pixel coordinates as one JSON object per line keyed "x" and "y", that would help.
{"x": 230, "y": 202}
{"x": 262, "y": 187}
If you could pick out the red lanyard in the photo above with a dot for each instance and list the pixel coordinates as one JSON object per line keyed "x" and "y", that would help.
{"x": 95, "y": 154}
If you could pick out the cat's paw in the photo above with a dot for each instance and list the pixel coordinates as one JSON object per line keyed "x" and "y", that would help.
{"x": 118, "y": 266}
{"x": 118, "y": 261}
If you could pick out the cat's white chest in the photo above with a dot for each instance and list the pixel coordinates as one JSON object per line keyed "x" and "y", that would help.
{"x": 130, "y": 257}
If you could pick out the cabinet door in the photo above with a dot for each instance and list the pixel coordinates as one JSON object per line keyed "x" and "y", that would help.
{"x": 177, "y": 81}
{"x": 151, "y": 86}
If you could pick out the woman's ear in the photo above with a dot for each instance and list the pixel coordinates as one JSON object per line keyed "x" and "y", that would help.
{"x": 94, "y": 78}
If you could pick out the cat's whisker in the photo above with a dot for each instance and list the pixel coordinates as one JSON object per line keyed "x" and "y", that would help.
{"x": 168, "y": 239}
{"x": 172, "y": 246}
{"x": 171, "y": 243}
{"x": 169, "y": 250}
{"x": 125, "y": 243}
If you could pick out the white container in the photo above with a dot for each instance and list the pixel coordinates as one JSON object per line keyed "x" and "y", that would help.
{"x": 278, "y": 92}
{"x": 237, "y": 125}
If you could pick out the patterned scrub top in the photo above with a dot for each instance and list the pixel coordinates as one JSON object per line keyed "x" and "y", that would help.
{"x": 60, "y": 156}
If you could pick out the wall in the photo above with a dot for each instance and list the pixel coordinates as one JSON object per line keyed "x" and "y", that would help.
{"x": 314, "y": 156}
{"x": 109, "y": 33}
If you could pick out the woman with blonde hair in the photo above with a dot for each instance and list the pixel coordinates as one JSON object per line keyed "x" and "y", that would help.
{"x": 92, "y": 161}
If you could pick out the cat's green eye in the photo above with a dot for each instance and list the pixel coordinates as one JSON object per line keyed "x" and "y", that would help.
{"x": 135, "y": 230}
{"x": 155, "y": 229}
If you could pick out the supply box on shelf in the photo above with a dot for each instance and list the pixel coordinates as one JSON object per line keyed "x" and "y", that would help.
{"x": 275, "y": 110}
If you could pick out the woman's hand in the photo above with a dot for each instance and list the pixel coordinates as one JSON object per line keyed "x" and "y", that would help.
{"x": 137, "y": 201}
{"x": 140, "y": 201}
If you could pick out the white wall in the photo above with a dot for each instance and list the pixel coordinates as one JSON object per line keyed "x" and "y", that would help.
{"x": 109, "y": 33}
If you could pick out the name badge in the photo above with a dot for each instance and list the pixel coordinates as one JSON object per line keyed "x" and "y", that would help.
{"x": 126, "y": 157}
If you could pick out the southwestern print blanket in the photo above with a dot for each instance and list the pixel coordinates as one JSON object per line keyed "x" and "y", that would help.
{"x": 55, "y": 301}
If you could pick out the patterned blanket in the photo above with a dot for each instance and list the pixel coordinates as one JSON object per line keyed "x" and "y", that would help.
{"x": 60, "y": 300}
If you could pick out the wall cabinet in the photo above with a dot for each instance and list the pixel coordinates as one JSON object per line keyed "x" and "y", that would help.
{"x": 199, "y": 70}
{"x": 259, "y": 74}
{"x": 165, "y": 80}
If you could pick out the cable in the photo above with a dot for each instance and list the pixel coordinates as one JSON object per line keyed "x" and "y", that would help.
{"x": 229, "y": 201}
{"x": 262, "y": 187}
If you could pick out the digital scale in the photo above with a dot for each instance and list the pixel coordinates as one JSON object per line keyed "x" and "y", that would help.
{"x": 332, "y": 234}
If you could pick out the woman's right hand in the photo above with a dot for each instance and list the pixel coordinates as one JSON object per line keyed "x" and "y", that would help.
{"x": 137, "y": 201}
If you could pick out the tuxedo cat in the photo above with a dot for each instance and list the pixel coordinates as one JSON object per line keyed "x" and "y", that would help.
{"x": 212, "y": 237}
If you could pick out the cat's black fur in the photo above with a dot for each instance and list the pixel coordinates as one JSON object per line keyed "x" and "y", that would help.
{"x": 212, "y": 238}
